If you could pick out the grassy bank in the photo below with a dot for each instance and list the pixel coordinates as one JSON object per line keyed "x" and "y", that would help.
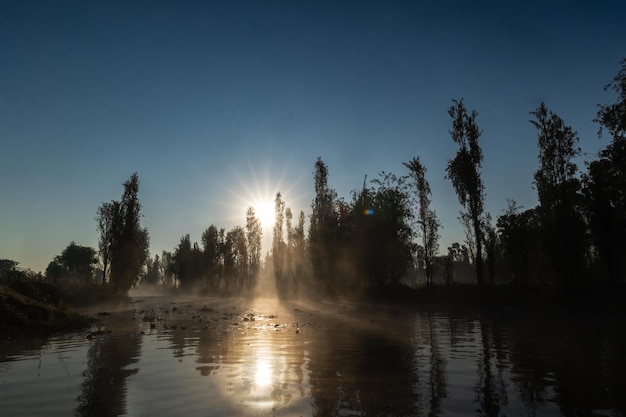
{"x": 21, "y": 315}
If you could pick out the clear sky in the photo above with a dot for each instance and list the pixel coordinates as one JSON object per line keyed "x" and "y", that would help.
{"x": 219, "y": 104}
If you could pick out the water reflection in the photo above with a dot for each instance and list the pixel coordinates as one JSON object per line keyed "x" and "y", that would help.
{"x": 108, "y": 359}
{"x": 221, "y": 358}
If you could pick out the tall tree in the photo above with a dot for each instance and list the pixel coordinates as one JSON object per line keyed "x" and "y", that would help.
{"x": 212, "y": 256}
{"x": 464, "y": 173}
{"x": 236, "y": 259}
{"x": 426, "y": 218}
{"x": 299, "y": 251}
{"x": 107, "y": 219}
{"x": 559, "y": 198}
{"x": 122, "y": 239}
{"x": 323, "y": 226}
{"x": 605, "y": 184}
{"x": 612, "y": 117}
{"x": 278, "y": 243}
{"x": 254, "y": 233}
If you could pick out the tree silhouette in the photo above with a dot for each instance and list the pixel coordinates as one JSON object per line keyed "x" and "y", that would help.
{"x": 519, "y": 235}
{"x": 212, "y": 254}
{"x": 75, "y": 266}
{"x": 612, "y": 117}
{"x": 426, "y": 218}
{"x": 107, "y": 221}
{"x": 559, "y": 198}
{"x": 123, "y": 243}
{"x": 278, "y": 244}
{"x": 464, "y": 173}
{"x": 605, "y": 184}
{"x": 379, "y": 234}
{"x": 254, "y": 233}
{"x": 187, "y": 262}
{"x": 152, "y": 274}
{"x": 323, "y": 226}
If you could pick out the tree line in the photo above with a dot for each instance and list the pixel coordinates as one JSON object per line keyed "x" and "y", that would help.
{"x": 387, "y": 233}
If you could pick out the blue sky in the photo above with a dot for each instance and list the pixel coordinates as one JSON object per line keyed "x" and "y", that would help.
{"x": 219, "y": 104}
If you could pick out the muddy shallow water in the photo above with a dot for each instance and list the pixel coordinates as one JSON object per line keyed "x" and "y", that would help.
{"x": 215, "y": 357}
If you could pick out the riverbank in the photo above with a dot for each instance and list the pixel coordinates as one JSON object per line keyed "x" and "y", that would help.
{"x": 21, "y": 315}
{"x": 502, "y": 297}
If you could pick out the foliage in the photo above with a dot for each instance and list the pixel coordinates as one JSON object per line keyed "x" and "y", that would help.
{"x": 560, "y": 201}
{"x": 187, "y": 263}
{"x": 381, "y": 239}
{"x": 74, "y": 267}
{"x": 123, "y": 243}
{"x": 605, "y": 185}
{"x": 278, "y": 242}
{"x": 107, "y": 219}
{"x": 323, "y": 227}
{"x": 464, "y": 173}
{"x": 254, "y": 233}
{"x": 213, "y": 243}
{"x": 428, "y": 224}
{"x": 519, "y": 236}
{"x": 612, "y": 117}
{"x": 289, "y": 258}
{"x": 22, "y": 314}
{"x": 152, "y": 274}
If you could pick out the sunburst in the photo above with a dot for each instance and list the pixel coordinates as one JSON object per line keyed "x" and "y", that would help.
{"x": 257, "y": 187}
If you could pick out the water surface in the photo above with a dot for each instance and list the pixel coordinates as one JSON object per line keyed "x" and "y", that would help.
{"x": 214, "y": 357}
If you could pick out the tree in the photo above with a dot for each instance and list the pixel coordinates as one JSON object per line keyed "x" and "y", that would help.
{"x": 278, "y": 244}
{"x": 323, "y": 227}
{"x": 605, "y": 185}
{"x": 235, "y": 259}
{"x": 299, "y": 251}
{"x": 6, "y": 266}
{"x": 107, "y": 219}
{"x": 166, "y": 266}
{"x": 515, "y": 232}
{"x": 152, "y": 274}
{"x": 491, "y": 247}
{"x": 612, "y": 117}
{"x": 426, "y": 218}
{"x": 464, "y": 173}
{"x": 254, "y": 233}
{"x": 212, "y": 250}
{"x": 188, "y": 263}
{"x": 380, "y": 238}
{"x": 558, "y": 189}
{"x": 75, "y": 266}
{"x": 123, "y": 242}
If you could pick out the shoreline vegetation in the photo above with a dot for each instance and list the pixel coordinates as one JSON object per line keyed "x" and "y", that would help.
{"x": 564, "y": 254}
{"x": 24, "y": 315}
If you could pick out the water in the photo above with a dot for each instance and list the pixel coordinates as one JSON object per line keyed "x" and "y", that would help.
{"x": 209, "y": 357}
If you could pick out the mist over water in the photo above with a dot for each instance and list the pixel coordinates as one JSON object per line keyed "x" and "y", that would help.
{"x": 206, "y": 356}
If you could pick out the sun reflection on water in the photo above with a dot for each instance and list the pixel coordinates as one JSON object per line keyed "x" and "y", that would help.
{"x": 263, "y": 375}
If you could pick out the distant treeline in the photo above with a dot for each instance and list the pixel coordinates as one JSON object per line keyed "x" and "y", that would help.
{"x": 386, "y": 233}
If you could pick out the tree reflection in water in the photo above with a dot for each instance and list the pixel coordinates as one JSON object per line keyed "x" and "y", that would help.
{"x": 108, "y": 359}
{"x": 325, "y": 359}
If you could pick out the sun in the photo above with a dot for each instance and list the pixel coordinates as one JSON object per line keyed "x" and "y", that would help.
{"x": 264, "y": 210}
